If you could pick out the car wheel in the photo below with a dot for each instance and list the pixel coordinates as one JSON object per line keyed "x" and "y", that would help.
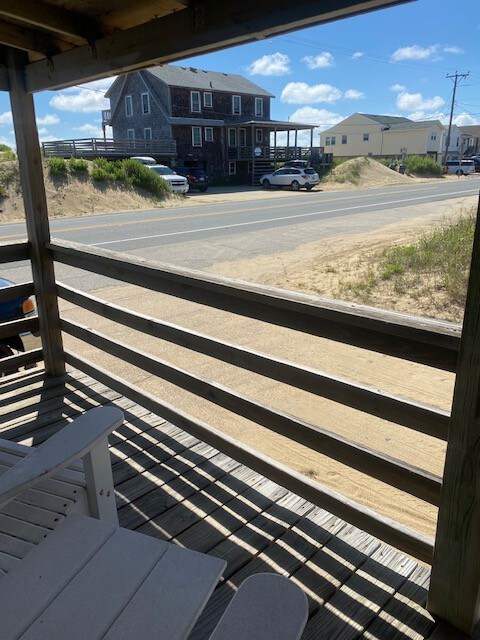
{"x": 308, "y": 187}
{"x": 295, "y": 185}
{"x": 459, "y": 172}
{"x": 266, "y": 184}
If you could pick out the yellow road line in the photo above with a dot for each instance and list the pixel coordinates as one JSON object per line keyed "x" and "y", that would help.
{"x": 193, "y": 215}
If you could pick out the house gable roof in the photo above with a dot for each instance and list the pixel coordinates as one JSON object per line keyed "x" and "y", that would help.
{"x": 421, "y": 124}
{"x": 384, "y": 119}
{"x": 192, "y": 78}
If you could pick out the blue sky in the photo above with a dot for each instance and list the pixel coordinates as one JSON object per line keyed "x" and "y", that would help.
{"x": 390, "y": 62}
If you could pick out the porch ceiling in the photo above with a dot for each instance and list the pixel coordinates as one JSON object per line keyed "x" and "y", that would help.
{"x": 72, "y": 41}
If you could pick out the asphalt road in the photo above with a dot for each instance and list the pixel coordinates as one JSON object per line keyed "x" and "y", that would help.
{"x": 204, "y": 234}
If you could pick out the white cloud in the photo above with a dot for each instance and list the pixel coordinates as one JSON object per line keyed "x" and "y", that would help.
{"x": 398, "y": 88}
{"x": 453, "y": 49}
{"x": 47, "y": 138}
{"x": 414, "y": 52}
{"x": 358, "y": 54}
{"x": 464, "y": 120}
{"x": 82, "y": 100}
{"x": 42, "y": 131}
{"x": 6, "y": 117}
{"x": 302, "y": 93}
{"x": 461, "y": 119}
{"x": 322, "y": 61}
{"x": 416, "y": 102}
{"x": 353, "y": 94}
{"x": 276, "y": 64}
{"x": 320, "y": 117}
{"x": 93, "y": 130}
{"x": 96, "y": 85}
{"x": 48, "y": 119}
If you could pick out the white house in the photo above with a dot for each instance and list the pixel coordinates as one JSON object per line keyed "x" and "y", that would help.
{"x": 364, "y": 134}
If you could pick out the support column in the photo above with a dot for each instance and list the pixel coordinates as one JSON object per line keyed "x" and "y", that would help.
{"x": 275, "y": 149}
{"x": 296, "y": 143}
{"x": 288, "y": 145}
{"x": 36, "y": 213}
{"x": 253, "y": 156}
{"x": 455, "y": 582}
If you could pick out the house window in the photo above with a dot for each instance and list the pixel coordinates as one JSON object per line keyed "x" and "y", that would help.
{"x": 145, "y": 103}
{"x": 327, "y": 141}
{"x": 208, "y": 134}
{"x": 195, "y": 101}
{"x": 232, "y": 138}
{"x": 366, "y": 137}
{"x": 128, "y": 106}
{"x": 258, "y": 136}
{"x": 207, "y": 99}
{"x": 196, "y": 136}
{"x": 130, "y": 134}
{"x": 242, "y": 137}
{"x": 232, "y": 168}
{"x": 333, "y": 141}
{"x": 259, "y": 107}
{"x": 433, "y": 136}
{"x": 344, "y": 139}
{"x": 147, "y": 133}
{"x": 236, "y": 105}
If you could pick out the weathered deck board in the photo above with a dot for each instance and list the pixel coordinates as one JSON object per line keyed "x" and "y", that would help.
{"x": 174, "y": 487}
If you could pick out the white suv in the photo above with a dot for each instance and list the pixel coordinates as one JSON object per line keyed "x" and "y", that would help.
{"x": 291, "y": 177}
{"x": 177, "y": 183}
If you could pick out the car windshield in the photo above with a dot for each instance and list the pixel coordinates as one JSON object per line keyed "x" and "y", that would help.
{"x": 164, "y": 171}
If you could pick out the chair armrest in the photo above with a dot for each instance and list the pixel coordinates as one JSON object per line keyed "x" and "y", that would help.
{"x": 56, "y": 453}
{"x": 266, "y": 607}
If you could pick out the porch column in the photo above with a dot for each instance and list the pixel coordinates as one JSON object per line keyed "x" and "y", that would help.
{"x": 288, "y": 144}
{"x": 253, "y": 156}
{"x": 275, "y": 149}
{"x": 295, "y": 143}
{"x": 455, "y": 582}
{"x": 36, "y": 213}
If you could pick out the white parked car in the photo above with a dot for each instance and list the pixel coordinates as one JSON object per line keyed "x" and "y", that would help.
{"x": 178, "y": 184}
{"x": 292, "y": 177}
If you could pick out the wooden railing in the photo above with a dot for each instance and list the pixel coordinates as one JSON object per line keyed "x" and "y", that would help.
{"x": 14, "y": 252}
{"x": 93, "y": 147}
{"x": 415, "y": 339}
{"x": 270, "y": 153}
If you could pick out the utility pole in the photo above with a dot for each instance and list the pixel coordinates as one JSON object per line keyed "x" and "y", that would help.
{"x": 455, "y": 77}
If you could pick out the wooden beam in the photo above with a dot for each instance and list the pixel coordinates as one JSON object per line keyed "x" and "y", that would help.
{"x": 12, "y": 363}
{"x": 13, "y": 251}
{"x": 455, "y": 584}
{"x": 16, "y": 291}
{"x": 75, "y": 27}
{"x": 394, "y": 533}
{"x": 205, "y": 26}
{"x": 13, "y": 35}
{"x": 36, "y": 213}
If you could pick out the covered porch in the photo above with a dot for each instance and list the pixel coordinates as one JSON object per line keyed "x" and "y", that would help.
{"x": 178, "y": 477}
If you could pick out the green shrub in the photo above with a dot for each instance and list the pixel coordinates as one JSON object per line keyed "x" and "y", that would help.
{"x": 99, "y": 174}
{"x": 141, "y": 176}
{"x": 423, "y": 166}
{"x": 78, "y": 165}
{"x": 57, "y": 166}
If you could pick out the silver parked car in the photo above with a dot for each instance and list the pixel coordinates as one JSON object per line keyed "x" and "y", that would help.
{"x": 292, "y": 177}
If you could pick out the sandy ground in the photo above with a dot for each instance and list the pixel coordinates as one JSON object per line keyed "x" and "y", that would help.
{"x": 389, "y": 374}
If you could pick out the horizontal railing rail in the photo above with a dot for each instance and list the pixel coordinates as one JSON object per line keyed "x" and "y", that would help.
{"x": 91, "y": 147}
{"x": 13, "y": 252}
{"x": 421, "y": 340}
{"x": 16, "y": 291}
{"x": 401, "y": 475}
{"x": 15, "y": 327}
{"x": 423, "y": 418}
{"x": 392, "y": 532}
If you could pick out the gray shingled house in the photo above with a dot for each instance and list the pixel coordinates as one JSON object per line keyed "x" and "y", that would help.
{"x": 217, "y": 121}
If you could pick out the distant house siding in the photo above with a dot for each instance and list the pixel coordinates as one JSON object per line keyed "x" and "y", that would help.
{"x": 221, "y": 108}
{"x": 210, "y": 156}
{"x": 156, "y": 120}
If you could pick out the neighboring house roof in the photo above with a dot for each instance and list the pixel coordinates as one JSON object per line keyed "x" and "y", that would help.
{"x": 383, "y": 119}
{"x": 409, "y": 125}
{"x": 192, "y": 78}
{"x": 472, "y": 130}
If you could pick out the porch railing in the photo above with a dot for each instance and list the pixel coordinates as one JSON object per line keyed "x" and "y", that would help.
{"x": 269, "y": 153}
{"x": 93, "y": 147}
{"x": 420, "y": 340}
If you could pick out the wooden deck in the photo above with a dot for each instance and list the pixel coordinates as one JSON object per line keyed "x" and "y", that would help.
{"x": 172, "y": 486}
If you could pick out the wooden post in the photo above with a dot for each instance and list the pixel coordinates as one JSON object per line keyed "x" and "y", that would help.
{"x": 296, "y": 144}
{"x": 455, "y": 582}
{"x": 36, "y": 213}
{"x": 275, "y": 149}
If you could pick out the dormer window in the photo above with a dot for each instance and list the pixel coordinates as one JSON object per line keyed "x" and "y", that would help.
{"x": 207, "y": 99}
{"x": 145, "y": 103}
{"x": 259, "y": 107}
{"x": 195, "y": 101}
{"x": 236, "y": 105}
{"x": 128, "y": 106}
